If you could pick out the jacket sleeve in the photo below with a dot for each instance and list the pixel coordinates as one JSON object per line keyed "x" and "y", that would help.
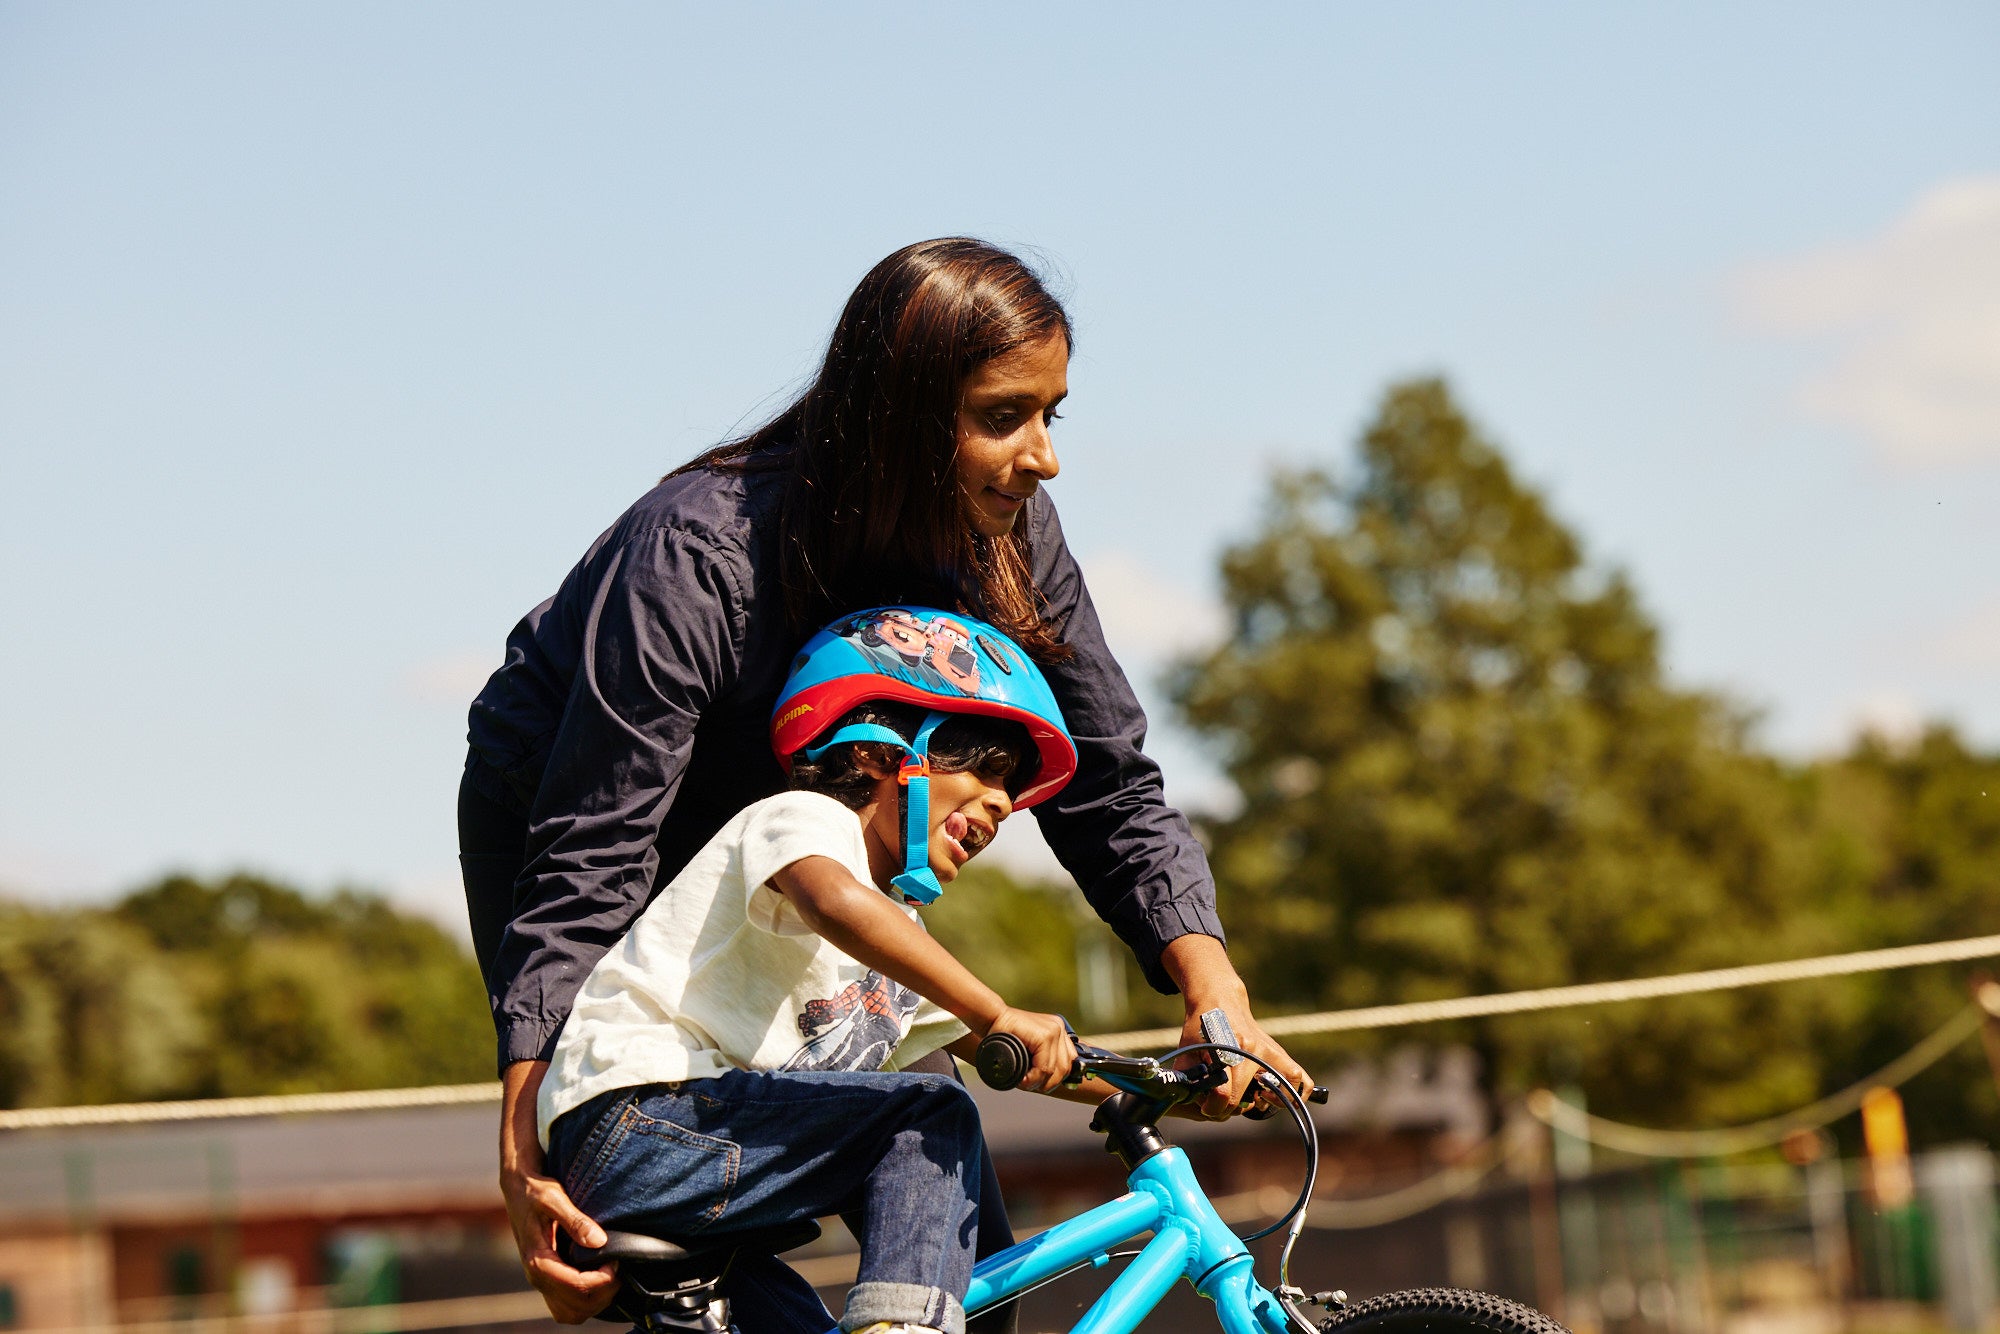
{"x": 1134, "y": 856}
{"x": 662, "y": 636}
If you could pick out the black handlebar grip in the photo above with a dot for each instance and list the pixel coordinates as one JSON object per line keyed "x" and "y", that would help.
{"x": 1002, "y": 1060}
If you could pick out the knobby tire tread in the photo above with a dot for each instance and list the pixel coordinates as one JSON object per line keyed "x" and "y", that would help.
{"x": 1440, "y": 1311}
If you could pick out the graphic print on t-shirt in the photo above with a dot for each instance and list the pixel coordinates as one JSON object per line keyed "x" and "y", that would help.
{"x": 856, "y": 1028}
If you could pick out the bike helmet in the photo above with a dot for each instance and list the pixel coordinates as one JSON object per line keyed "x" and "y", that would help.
{"x": 945, "y": 662}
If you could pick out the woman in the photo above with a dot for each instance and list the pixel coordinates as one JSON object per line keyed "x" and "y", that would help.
{"x": 629, "y": 721}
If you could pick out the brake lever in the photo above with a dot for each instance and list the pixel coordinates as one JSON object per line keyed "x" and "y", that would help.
{"x": 1252, "y": 1110}
{"x": 1216, "y": 1028}
{"x": 1204, "y": 1075}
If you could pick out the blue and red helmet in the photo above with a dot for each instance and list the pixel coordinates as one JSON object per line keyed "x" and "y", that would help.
{"x": 943, "y": 662}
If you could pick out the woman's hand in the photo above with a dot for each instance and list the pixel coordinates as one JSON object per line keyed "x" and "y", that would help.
{"x": 1200, "y": 967}
{"x": 538, "y": 1208}
{"x": 1051, "y": 1049}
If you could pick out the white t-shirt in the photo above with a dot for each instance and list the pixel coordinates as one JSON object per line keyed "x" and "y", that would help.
{"x": 719, "y": 973}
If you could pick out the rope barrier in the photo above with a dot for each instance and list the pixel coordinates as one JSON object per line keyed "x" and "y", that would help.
{"x": 277, "y": 1104}
{"x": 1297, "y": 1025}
{"x": 1459, "y": 1179}
{"x": 1590, "y": 993}
{"x": 1648, "y": 1143}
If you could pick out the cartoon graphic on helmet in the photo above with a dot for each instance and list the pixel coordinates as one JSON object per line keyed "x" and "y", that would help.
{"x": 951, "y": 654}
{"x": 895, "y": 629}
{"x": 933, "y": 652}
{"x": 930, "y": 658}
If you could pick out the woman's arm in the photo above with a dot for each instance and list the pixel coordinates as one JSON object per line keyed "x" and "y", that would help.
{"x": 537, "y": 1206}
{"x": 1207, "y": 980}
{"x": 656, "y": 641}
{"x": 1134, "y": 855}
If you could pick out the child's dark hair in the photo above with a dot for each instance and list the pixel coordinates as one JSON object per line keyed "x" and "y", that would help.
{"x": 964, "y": 741}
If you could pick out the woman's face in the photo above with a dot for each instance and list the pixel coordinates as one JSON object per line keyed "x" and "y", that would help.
{"x": 1004, "y": 450}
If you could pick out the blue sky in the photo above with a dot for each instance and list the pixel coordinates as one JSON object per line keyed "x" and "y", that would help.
{"x": 331, "y": 334}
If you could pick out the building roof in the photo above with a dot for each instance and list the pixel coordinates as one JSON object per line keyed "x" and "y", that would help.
{"x": 389, "y": 1161}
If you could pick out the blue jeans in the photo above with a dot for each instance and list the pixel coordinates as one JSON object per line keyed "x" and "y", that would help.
{"x": 898, "y": 1156}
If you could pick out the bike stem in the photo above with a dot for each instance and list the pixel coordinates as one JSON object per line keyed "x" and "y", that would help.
{"x": 1130, "y": 1125}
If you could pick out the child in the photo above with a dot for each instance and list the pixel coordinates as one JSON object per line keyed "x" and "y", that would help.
{"x": 731, "y": 1063}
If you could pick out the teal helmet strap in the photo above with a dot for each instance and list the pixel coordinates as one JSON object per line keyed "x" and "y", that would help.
{"x": 917, "y": 881}
{"x": 858, "y": 732}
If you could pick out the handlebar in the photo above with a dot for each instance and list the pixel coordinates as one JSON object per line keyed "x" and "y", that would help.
{"x": 1151, "y": 1085}
{"x": 1002, "y": 1061}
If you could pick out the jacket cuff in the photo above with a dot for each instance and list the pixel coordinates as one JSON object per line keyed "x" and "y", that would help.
{"x": 1168, "y": 922}
{"x": 528, "y": 1040}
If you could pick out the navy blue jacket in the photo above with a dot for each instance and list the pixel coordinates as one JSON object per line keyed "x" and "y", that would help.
{"x": 630, "y": 721}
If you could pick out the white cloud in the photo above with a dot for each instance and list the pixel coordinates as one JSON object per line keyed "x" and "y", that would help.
{"x": 1972, "y": 643}
{"x": 1148, "y": 617}
{"x": 1889, "y": 714}
{"x": 451, "y": 679}
{"x": 1912, "y": 318}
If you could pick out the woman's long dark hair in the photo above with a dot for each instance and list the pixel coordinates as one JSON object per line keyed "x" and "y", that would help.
{"x": 872, "y": 511}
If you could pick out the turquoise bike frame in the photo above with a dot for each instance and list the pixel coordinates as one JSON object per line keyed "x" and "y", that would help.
{"x": 1190, "y": 1241}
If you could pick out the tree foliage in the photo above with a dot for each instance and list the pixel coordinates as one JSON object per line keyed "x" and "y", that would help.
{"x": 1462, "y": 770}
{"x": 1910, "y": 851}
{"x": 89, "y": 1012}
{"x": 191, "y": 988}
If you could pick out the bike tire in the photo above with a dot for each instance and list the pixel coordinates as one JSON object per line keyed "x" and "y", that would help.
{"x": 1440, "y": 1311}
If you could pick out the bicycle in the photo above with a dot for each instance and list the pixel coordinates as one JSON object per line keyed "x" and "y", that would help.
{"x": 668, "y": 1289}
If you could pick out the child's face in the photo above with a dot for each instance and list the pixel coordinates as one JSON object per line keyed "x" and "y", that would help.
{"x": 967, "y": 809}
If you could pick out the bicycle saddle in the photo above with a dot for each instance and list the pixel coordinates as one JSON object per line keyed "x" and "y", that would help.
{"x": 645, "y": 1248}
{"x": 672, "y": 1287}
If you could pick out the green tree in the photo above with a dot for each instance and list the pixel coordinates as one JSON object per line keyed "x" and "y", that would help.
{"x": 88, "y": 1012}
{"x": 303, "y": 995}
{"x": 193, "y": 988}
{"x": 1909, "y": 850}
{"x": 184, "y": 915}
{"x": 1461, "y": 771}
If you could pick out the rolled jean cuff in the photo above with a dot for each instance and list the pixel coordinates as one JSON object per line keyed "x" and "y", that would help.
{"x": 902, "y": 1304}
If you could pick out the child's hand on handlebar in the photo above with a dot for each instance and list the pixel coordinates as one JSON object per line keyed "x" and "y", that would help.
{"x": 1051, "y": 1046}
